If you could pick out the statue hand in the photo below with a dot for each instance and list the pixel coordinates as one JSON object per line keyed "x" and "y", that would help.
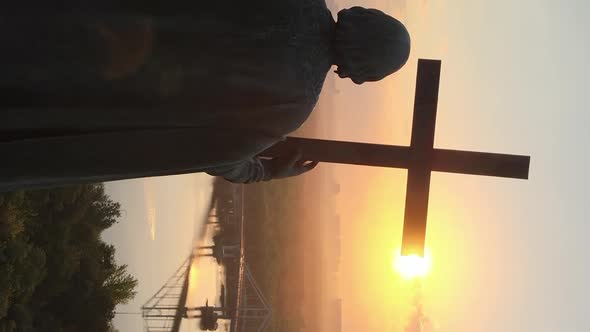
{"x": 289, "y": 165}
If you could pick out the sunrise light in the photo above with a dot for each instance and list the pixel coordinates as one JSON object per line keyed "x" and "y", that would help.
{"x": 412, "y": 266}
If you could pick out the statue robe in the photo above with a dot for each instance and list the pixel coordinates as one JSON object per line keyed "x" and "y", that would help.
{"x": 101, "y": 94}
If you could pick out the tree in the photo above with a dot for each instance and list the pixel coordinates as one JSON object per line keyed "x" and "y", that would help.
{"x": 56, "y": 274}
{"x": 121, "y": 285}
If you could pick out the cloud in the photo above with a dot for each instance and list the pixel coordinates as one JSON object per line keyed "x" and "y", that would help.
{"x": 148, "y": 193}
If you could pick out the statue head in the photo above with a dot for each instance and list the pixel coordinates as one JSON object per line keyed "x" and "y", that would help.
{"x": 369, "y": 44}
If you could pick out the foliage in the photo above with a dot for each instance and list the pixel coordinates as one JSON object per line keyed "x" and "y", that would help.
{"x": 56, "y": 274}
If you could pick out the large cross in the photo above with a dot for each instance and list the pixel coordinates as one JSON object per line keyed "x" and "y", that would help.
{"x": 420, "y": 158}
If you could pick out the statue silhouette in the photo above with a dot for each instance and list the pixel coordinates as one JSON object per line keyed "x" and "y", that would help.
{"x": 98, "y": 91}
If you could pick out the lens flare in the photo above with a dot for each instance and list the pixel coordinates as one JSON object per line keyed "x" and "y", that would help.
{"x": 412, "y": 266}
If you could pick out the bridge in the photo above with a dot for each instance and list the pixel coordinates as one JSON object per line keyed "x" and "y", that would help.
{"x": 167, "y": 308}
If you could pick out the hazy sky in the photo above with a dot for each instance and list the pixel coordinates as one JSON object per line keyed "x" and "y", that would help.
{"x": 508, "y": 255}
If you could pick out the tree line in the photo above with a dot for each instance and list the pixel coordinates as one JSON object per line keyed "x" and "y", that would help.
{"x": 56, "y": 273}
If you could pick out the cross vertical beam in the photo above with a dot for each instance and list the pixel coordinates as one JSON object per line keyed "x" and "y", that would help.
{"x": 421, "y": 156}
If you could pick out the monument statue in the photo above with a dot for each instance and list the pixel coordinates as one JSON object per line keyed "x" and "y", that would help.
{"x": 98, "y": 92}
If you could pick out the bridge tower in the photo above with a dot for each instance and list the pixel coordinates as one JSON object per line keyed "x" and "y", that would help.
{"x": 165, "y": 311}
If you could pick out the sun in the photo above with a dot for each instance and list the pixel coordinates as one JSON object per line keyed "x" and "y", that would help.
{"x": 412, "y": 266}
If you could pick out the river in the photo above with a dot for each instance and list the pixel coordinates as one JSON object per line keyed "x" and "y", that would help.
{"x": 161, "y": 220}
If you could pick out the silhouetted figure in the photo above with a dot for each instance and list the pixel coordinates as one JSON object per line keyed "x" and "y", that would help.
{"x": 100, "y": 92}
{"x": 208, "y": 318}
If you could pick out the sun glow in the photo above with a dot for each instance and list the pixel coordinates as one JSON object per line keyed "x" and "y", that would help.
{"x": 193, "y": 276}
{"x": 412, "y": 266}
